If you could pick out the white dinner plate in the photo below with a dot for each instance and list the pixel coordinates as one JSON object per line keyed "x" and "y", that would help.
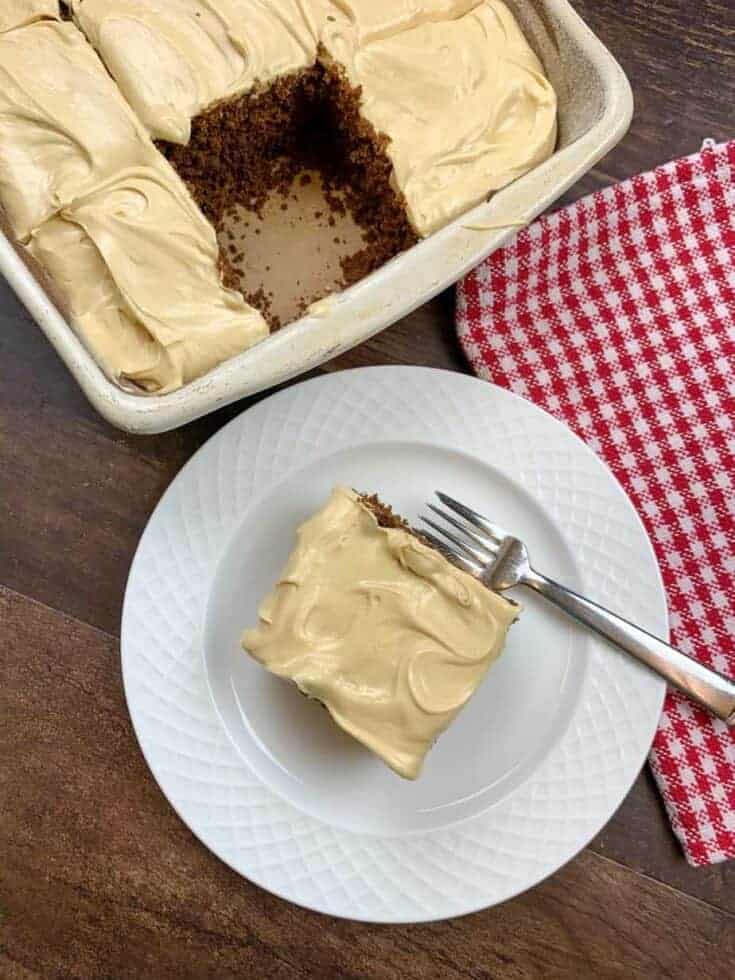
{"x": 531, "y": 769}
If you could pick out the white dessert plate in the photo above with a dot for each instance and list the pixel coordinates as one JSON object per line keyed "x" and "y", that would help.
{"x": 531, "y": 769}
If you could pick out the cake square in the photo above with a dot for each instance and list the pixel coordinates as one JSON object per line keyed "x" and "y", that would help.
{"x": 380, "y": 628}
{"x": 155, "y": 325}
{"x": 460, "y": 95}
{"x": 64, "y": 126}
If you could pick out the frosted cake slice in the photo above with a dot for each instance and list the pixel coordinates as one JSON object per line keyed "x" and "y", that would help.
{"x": 378, "y": 626}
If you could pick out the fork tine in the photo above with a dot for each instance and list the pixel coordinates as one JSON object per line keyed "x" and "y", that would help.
{"x": 472, "y": 517}
{"x": 480, "y": 557}
{"x": 473, "y": 567}
{"x": 483, "y": 540}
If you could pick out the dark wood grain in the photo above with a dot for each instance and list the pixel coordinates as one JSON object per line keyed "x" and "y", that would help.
{"x": 680, "y": 59}
{"x": 639, "y": 836}
{"x": 135, "y": 896}
{"x": 98, "y": 878}
{"x": 75, "y": 493}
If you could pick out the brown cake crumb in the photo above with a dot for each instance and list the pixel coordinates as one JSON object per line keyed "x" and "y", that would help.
{"x": 384, "y": 513}
{"x": 243, "y": 150}
{"x": 387, "y": 517}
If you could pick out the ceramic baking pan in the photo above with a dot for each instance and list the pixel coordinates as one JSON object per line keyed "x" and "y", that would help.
{"x": 595, "y": 104}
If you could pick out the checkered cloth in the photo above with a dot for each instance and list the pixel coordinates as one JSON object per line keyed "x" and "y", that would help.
{"x": 617, "y": 315}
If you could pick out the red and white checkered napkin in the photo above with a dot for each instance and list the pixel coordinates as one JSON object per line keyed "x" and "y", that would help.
{"x": 617, "y": 315}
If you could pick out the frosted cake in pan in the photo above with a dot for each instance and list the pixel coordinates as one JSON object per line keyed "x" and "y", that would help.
{"x": 376, "y": 624}
{"x": 136, "y": 135}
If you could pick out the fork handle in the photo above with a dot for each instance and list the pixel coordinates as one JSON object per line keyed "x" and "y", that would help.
{"x": 705, "y": 686}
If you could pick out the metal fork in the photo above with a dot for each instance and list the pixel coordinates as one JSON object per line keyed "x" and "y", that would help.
{"x": 501, "y": 562}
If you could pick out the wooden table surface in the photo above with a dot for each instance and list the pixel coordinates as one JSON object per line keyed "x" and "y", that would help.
{"x": 98, "y": 877}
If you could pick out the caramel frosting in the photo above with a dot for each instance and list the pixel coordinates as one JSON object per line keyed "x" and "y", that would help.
{"x": 363, "y": 21}
{"x": 105, "y": 214}
{"x": 458, "y": 91}
{"x": 17, "y": 13}
{"x": 157, "y": 323}
{"x": 174, "y": 58}
{"x": 452, "y": 83}
{"x": 64, "y": 127}
{"x": 383, "y": 630}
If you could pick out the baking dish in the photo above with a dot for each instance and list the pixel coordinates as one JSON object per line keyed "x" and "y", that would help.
{"x": 595, "y": 108}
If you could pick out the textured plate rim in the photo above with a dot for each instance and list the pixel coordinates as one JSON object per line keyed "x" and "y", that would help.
{"x": 634, "y": 761}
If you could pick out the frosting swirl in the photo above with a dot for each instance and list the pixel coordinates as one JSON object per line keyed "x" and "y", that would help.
{"x": 155, "y": 324}
{"x": 459, "y": 92}
{"x": 64, "y": 127}
{"x": 174, "y": 58}
{"x": 16, "y": 13}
